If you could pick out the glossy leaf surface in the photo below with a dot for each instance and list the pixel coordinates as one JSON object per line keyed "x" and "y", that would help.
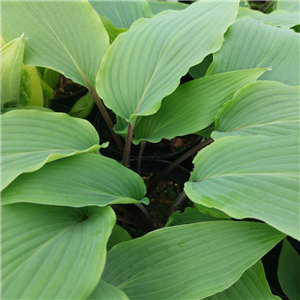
{"x": 81, "y": 180}
{"x": 266, "y": 108}
{"x": 288, "y": 271}
{"x": 250, "y": 177}
{"x": 11, "y": 71}
{"x": 51, "y": 252}
{"x": 31, "y": 138}
{"x": 65, "y": 36}
{"x": 145, "y": 64}
{"x": 251, "y": 286}
{"x": 189, "y": 261}
{"x": 193, "y": 105}
{"x": 252, "y": 44}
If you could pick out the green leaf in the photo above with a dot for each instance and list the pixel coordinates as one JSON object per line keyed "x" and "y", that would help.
{"x": 261, "y": 108}
{"x": 68, "y": 37}
{"x": 154, "y": 56}
{"x": 288, "y": 271}
{"x": 31, "y": 88}
{"x": 251, "y": 286}
{"x": 105, "y": 291}
{"x": 189, "y": 261}
{"x": 280, "y": 18}
{"x": 123, "y": 13}
{"x": 291, "y": 6}
{"x": 11, "y": 71}
{"x": 199, "y": 70}
{"x": 83, "y": 107}
{"x": 51, "y": 252}
{"x": 193, "y": 105}
{"x": 252, "y": 44}
{"x": 250, "y": 177}
{"x": 158, "y": 7}
{"x": 112, "y": 31}
{"x": 215, "y": 213}
{"x": 31, "y": 138}
{"x": 189, "y": 216}
{"x": 118, "y": 235}
{"x": 77, "y": 181}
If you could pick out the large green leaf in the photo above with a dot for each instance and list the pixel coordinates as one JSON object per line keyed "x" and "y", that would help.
{"x": 280, "y": 18}
{"x": 158, "y": 7}
{"x": 193, "y": 105}
{"x": 145, "y": 64}
{"x": 188, "y": 261}
{"x": 262, "y": 108}
{"x": 77, "y": 181}
{"x": 31, "y": 138}
{"x": 11, "y": 71}
{"x": 123, "y": 13}
{"x": 288, "y": 271}
{"x": 255, "y": 177}
{"x": 105, "y": 291}
{"x": 51, "y": 252}
{"x": 291, "y": 6}
{"x": 252, "y": 44}
{"x": 251, "y": 286}
{"x": 62, "y": 35}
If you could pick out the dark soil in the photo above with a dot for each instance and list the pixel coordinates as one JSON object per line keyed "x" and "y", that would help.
{"x": 66, "y": 87}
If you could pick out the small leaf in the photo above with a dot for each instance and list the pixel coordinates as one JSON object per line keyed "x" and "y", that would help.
{"x": 105, "y": 291}
{"x": 288, "y": 271}
{"x": 266, "y": 108}
{"x": 252, "y": 44}
{"x": 51, "y": 252}
{"x": 250, "y": 177}
{"x": 11, "y": 70}
{"x": 154, "y": 56}
{"x": 190, "y": 261}
{"x": 83, "y": 107}
{"x": 77, "y": 181}
{"x": 118, "y": 235}
{"x": 31, "y": 138}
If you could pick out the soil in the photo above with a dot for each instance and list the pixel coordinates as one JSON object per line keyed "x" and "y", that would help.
{"x": 164, "y": 147}
{"x": 66, "y": 87}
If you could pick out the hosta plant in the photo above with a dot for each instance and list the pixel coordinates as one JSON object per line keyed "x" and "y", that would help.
{"x": 60, "y": 197}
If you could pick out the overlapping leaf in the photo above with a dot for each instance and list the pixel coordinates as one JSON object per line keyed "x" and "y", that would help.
{"x": 189, "y": 261}
{"x": 255, "y": 177}
{"x": 51, "y": 252}
{"x": 145, "y": 64}
{"x": 251, "y": 286}
{"x": 31, "y": 138}
{"x": 252, "y": 44}
{"x": 63, "y": 35}
{"x": 280, "y": 18}
{"x": 288, "y": 271}
{"x": 158, "y": 7}
{"x": 105, "y": 291}
{"x": 193, "y": 105}
{"x": 11, "y": 71}
{"x": 77, "y": 181}
{"x": 123, "y": 13}
{"x": 266, "y": 108}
